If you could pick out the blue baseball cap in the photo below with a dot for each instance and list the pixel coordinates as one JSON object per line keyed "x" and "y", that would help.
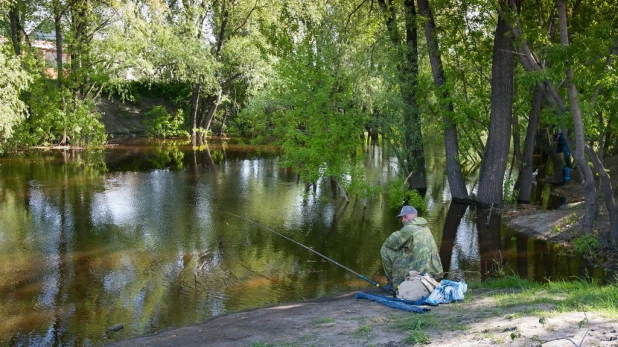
{"x": 406, "y": 210}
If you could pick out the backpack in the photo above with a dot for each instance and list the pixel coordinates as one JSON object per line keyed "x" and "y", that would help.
{"x": 416, "y": 287}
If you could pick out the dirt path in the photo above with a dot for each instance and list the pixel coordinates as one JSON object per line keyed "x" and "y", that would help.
{"x": 345, "y": 321}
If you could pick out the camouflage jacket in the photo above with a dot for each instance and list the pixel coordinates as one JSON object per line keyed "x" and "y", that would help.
{"x": 415, "y": 243}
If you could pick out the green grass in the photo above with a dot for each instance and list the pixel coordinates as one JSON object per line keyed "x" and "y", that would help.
{"x": 363, "y": 331}
{"x": 325, "y": 320}
{"x": 578, "y": 295}
{"x": 263, "y": 344}
{"x": 507, "y": 282}
{"x": 417, "y": 322}
{"x": 418, "y": 337}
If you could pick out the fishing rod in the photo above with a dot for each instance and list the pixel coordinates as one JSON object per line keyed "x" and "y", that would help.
{"x": 373, "y": 283}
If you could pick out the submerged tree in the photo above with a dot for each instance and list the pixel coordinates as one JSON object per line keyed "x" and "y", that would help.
{"x": 413, "y": 156}
{"x": 496, "y": 151}
{"x": 447, "y": 109}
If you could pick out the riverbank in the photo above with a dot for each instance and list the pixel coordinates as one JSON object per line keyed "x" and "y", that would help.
{"x": 525, "y": 314}
{"x": 563, "y": 226}
{"x": 500, "y": 312}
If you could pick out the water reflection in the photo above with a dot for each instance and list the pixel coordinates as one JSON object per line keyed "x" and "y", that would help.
{"x": 139, "y": 235}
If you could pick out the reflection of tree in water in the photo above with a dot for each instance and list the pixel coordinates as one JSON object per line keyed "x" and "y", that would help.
{"x": 57, "y": 201}
{"x": 89, "y": 161}
{"x": 488, "y": 223}
{"x": 454, "y": 215}
{"x": 168, "y": 155}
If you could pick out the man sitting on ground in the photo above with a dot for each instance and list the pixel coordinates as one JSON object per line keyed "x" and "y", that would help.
{"x": 411, "y": 248}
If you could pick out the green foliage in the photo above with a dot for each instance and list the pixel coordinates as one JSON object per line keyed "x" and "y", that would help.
{"x": 133, "y": 91}
{"x": 168, "y": 155}
{"x": 566, "y": 222}
{"x": 14, "y": 80}
{"x": 315, "y": 118}
{"x": 52, "y": 117}
{"x": 159, "y": 123}
{"x": 262, "y": 344}
{"x": 587, "y": 244}
{"x": 577, "y": 295}
{"x": 510, "y": 194}
{"x": 398, "y": 196}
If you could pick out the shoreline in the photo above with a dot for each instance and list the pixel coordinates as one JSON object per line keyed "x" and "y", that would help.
{"x": 483, "y": 319}
{"x": 341, "y": 320}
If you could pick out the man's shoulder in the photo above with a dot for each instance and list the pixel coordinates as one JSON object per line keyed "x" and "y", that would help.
{"x": 407, "y": 228}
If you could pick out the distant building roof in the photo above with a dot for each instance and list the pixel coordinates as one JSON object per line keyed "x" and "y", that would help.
{"x": 40, "y": 44}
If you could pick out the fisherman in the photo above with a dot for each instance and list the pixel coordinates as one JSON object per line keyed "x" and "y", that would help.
{"x": 411, "y": 248}
{"x": 562, "y": 146}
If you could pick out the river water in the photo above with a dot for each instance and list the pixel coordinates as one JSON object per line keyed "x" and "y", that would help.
{"x": 140, "y": 235}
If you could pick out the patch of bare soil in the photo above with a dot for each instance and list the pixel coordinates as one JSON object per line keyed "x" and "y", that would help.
{"x": 344, "y": 321}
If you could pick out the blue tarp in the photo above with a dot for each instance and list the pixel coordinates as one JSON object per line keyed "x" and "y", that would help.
{"x": 447, "y": 291}
{"x": 406, "y": 305}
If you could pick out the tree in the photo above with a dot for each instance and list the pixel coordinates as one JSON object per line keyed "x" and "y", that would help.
{"x": 494, "y": 162}
{"x": 447, "y": 109}
{"x": 526, "y": 170}
{"x": 13, "y": 79}
{"x": 311, "y": 103}
{"x": 594, "y": 26}
{"x": 413, "y": 158}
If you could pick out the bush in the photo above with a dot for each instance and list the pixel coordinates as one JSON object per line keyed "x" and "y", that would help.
{"x": 159, "y": 123}
{"x": 51, "y": 116}
{"x": 398, "y": 196}
{"x": 586, "y": 244}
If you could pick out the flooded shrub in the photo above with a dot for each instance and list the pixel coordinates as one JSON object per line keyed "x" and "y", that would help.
{"x": 159, "y": 123}
{"x": 398, "y": 196}
{"x": 57, "y": 118}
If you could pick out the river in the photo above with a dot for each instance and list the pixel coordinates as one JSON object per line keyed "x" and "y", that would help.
{"x": 140, "y": 234}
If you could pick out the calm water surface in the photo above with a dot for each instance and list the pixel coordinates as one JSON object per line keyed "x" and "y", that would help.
{"x": 139, "y": 235}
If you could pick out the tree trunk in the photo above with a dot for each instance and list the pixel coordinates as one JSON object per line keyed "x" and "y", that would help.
{"x": 451, "y": 142}
{"x": 15, "y": 29}
{"x": 578, "y": 126}
{"x": 195, "y": 103}
{"x": 550, "y": 150}
{"x": 516, "y": 140}
{"x": 412, "y": 118}
{"x": 413, "y": 156}
{"x": 225, "y": 116}
{"x": 526, "y": 166}
{"x": 59, "y": 42}
{"x": 211, "y": 112}
{"x": 608, "y": 194}
{"x": 494, "y": 161}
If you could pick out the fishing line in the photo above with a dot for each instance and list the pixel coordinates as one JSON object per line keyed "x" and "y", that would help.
{"x": 373, "y": 283}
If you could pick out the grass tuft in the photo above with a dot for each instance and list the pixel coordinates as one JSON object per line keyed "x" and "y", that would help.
{"x": 418, "y": 337}
{"x": 362, "y": 331}
{"x": 325, "y": 320}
